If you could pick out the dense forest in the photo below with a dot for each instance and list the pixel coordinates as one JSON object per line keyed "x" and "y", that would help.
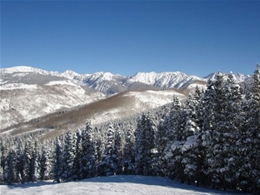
{"x": 211, "y": 139}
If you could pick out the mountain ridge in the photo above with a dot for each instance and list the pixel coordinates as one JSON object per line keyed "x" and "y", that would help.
{"x": 28, "y": 93}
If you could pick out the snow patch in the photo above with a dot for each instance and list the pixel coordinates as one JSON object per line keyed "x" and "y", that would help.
{"x": 12, "y": 86}
{"x": 113, "y": 185}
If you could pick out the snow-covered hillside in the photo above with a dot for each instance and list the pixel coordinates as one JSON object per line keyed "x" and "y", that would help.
{"x": 112, "y": 185}
{"x": 133, "y": 102}
{"x": 28, "y": 92}
{"x": 22, "y": 102}
{"x": 124, "y": 104}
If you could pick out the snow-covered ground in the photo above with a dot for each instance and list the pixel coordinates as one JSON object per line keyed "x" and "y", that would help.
{"x": 128, "y": 185}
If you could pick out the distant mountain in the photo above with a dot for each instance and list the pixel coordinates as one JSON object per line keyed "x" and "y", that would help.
{"x": 105, "y": 82}
{"x": 28, "y": 93}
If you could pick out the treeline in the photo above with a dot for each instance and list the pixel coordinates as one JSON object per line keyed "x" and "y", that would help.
{"x": 210, "y": 139}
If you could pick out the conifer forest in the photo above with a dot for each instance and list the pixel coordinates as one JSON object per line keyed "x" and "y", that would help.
{"x": 211, "y": 139}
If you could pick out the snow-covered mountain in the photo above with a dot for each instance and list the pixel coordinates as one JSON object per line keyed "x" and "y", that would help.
{"x": 105, "y": 82}
{"x": 28, "y": 93}
{"x": 125, "y": 104}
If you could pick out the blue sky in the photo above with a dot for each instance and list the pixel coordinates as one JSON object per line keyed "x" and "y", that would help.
{"x": 125, "y": 37}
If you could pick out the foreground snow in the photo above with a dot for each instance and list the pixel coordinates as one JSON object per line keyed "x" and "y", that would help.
{"x": 110, "y": 185}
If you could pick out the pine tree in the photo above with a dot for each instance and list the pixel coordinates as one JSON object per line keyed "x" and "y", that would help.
{"x": 175, "y": 126}
{"x": 44, "y": 163}
{"x": 190, "y": 155}
{"x": 57, "y": 161}
{"x": 30, "y": 159}
{"x": 108, "y": 164}
{"x": 76, "y": 168}
{"x": 68, "y": 157}
{"x": 119, "y": 149}
{"x": 128, "y": 154}
{"x": 249, "y": 172}
{"x": 145, "y": 150}
{"x": 88, "y": 166}
{"x": 10, "y": 176}
{"x": 230, "y": 135}
{"x": 20, "y": 162}
{"x": 3, "y": 154}
{"x": 172, "y": 120}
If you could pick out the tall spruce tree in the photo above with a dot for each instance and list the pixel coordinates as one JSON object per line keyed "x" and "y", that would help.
{"x": 190, "y": 156}
{"x": 76, "y": 167}
{"x": 20, "y": 162}
{"x": 145, "y": 148}
{"x": 10, "y": 175}
{"x": 57, "y": 160}
{"x": 128, "y": 153}
{"x": 44, "y": 163}
{"x": 119, "y": 145}
{"x": 250, "y": 139}
{"x": 68, "y": 157}
{"x": 108, "y": 164}
{"x": 88, "y": 165}
{"x": 30, "y": 159}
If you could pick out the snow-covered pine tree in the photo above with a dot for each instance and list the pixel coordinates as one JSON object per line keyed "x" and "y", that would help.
{"x": 145, "y": 149}
{"x": 128, "y": 154}
{"x": 230, "y": 131}
{"x": 30, "y": 156}
{"x": 20, "y": 162}
{"x": 175, "y": 123}
{"x": 250, "y": 168}
{"x": 68, "y": 157}
{"x": 108, "y": 164}
{"x": 87, "y": 166}
{"x": 190, "y": 156}
{"x": 221, "y": 128}
{"x": 3, "y": 154}
{"x": 205, "y": 115}
{"x": 10, "y": 176}
{"x": 171, "y": 122}
{"x": 76, "y": 167}
{"x": 44, "y": 163}
{"x": 119, "y": 145}
{"x": 215, "y": 150}
{"x": 57, "y": 160}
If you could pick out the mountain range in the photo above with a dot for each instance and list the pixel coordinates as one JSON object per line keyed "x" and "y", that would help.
{"x": 29, "y": 93}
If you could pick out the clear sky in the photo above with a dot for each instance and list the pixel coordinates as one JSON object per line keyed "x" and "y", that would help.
{"x": 125, "y": 37}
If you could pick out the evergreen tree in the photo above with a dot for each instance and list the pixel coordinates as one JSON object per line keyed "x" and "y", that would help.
{"x": 44, "y": 163}
{"x": 10, "y": 176}
{"x": 128, "y": 154}
{"x": 3, "y": 154}
{"x": 57, "y": 161}
{"x": 68, "y": 157}
{"x": 108, "y": 164}
{"x": 190, "y": 155}
{"x": 20, "y": 162}
{"x": 145, "y": 150}
{"x": 88, "y": 166}
{"x": 76, "y": 168}
{"x": 30, "y": 159}
{"x": 249, "y": 172}
{"x": 119, "y": 149}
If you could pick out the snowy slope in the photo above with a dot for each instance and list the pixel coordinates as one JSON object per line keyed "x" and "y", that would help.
{"x": 113, "y": 185}
{"x": 133, "y": 102}
{"x": 121, "y": 105}
{"x": 22, "y": 102}
{"x": 28, "y": 92}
